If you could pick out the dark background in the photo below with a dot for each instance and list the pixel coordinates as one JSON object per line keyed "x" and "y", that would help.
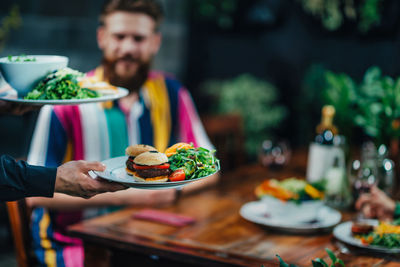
{"x": 274, "y": 40}
{"x": 279, "y": 48}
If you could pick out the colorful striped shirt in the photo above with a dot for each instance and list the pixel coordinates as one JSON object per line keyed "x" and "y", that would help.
{"x": 163, "y": 115}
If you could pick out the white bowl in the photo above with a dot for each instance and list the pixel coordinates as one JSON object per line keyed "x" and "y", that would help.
{"x": 303, "y": 211}
{"x": 23, "y": 76}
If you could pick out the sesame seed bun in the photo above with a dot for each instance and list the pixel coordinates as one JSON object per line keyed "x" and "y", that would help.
{"x": 136, "y": 150}
{"x": 151, "y": 158}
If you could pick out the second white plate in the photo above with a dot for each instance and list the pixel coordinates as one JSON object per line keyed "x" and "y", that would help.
{"x": 342, "y": 232}
{"x": 257, "y": 212}
{"x": 11, "y": 97}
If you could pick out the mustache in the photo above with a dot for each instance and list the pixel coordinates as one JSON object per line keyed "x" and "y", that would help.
{"x": 129, "y": 58}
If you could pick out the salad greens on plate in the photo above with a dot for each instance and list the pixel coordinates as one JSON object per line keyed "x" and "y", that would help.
{"x": 195, "y": 162}
{"x": 61, "y": 84}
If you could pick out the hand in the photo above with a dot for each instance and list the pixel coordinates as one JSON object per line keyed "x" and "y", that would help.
{"x": 15, "y": 108}
{"x": 73, "y": 179}
{"x": 376, "y": 204}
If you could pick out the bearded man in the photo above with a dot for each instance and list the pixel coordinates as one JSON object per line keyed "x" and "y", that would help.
{"x": 158, "y": 111}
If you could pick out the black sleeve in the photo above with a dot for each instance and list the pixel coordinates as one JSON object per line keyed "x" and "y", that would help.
{"x": 19, "y": 180}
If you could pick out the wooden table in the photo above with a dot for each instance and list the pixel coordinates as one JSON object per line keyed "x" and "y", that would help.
{"x": 220, "y": 237}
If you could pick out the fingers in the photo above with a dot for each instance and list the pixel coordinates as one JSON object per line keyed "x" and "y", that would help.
{"x": 92, "y": 166}
{"x": 362, "y": 200}
{"x": 101, "y": 186}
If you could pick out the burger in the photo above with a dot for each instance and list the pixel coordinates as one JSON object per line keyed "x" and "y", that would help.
{"x": 151, "y": 166}
{"x": 133, "y": 152}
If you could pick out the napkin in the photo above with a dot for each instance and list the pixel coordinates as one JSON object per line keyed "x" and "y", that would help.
{"x": 163, "y": 217}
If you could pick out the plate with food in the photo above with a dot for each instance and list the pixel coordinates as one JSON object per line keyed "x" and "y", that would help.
{"x": 146, "y": 168}
{"x": 293, "y": 199}
{"x": 257, "y": 212}
{"x": 45, "y": 80}
{"x": 373, "y": 235}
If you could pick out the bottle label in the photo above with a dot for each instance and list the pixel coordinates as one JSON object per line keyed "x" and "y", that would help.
{"x": 320, "y": 159}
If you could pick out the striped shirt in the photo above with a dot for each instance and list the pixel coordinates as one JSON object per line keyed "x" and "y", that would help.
{"x": 162, "y": 115}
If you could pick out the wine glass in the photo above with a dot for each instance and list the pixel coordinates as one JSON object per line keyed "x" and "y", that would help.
{"x": 366, "y": 179}
{"x": 274, "y": 154}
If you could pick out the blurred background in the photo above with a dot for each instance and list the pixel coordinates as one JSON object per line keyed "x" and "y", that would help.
{"x": 273, "y": 62}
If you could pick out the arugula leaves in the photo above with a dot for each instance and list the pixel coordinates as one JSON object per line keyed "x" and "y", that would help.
{"x": 61, "y": 84}
{"x": 196, "y": 162}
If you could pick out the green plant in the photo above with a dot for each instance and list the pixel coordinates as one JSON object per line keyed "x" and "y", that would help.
{"x": 318, "y": 262}
{"x": 378, "y": 106}
{"x": 219, "y": 12}
{"x": 373, "y": 105}
{"x": 341, "y": 91}
{"x": 252, "y": 98}
{"x": 9, "y": 22}
{"x": 333, "y": 13}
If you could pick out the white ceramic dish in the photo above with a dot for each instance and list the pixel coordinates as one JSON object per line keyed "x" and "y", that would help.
{"x": 293, "y": 211}
{"x": 257, "y": 212}
{"x": 24, "y": 75}
{"x": 115, "y": 172}
{"x": 342, "y": 232}
{"x": 11, "y": 96}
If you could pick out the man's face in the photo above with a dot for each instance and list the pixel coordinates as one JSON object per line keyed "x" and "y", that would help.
{"x": 128, "y": 41}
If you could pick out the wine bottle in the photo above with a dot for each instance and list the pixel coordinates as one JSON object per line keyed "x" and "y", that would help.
{"x": 326, "y": 130}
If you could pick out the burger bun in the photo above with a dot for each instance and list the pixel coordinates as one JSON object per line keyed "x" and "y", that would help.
{"x": 136, "y": 150}
{"x": 151, "y": 158}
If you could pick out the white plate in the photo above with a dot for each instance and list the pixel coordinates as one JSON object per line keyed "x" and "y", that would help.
{"x": 11, "y": 96}
{"x": 115, "y": 172}
{"x": 342, "y": 232}
{"x": 257, "y": 212}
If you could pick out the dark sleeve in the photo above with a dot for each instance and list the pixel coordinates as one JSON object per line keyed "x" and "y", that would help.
{"x": 19, "y": 180}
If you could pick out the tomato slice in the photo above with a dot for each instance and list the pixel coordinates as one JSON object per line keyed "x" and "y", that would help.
{"x": 142, "y": 167}
{"x": 178, "y": 175}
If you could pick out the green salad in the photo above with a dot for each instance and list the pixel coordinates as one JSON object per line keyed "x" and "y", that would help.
{"x": 195, "y": 162}
{"x": 61, "y": 84}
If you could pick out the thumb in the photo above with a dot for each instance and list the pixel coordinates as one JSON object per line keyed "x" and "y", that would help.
{"x": 93, "y": 166}
{"x": 106, "y": 186}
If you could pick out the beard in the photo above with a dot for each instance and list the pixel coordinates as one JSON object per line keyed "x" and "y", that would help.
{"x": 134, "y": 82}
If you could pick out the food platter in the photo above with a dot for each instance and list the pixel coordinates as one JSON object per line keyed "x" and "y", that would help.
{"x": 257, "y": 212}
{"x": 115, "y": 172}
{"x": 342, "y": 232}
{"x": 11, "y": 96}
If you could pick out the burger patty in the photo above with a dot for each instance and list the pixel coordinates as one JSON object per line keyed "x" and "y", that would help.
{"x": 150, "y": 173}
{"x": 129, "y": 163}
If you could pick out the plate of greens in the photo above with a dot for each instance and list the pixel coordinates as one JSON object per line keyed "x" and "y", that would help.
{"x": 63, "y": 87}
{"x": 384, "y": 238}
{"x": 197, "y": 164}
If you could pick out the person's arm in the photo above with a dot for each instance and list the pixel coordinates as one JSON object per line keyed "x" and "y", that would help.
{"x": 129, "y": 197}
{"x": 19, "y": 180}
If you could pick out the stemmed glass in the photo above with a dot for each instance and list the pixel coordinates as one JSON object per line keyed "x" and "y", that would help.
{"x": 365, "y": 179}
{"x": 274, "y": 154}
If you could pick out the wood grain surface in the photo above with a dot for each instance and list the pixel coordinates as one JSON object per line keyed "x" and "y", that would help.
{"x": 220, "y": 236}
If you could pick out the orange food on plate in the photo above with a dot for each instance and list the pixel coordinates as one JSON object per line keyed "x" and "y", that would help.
{"x": 172, "y": 149}
{"x": 95, "y": 84}
{"x": 272, "y": 188}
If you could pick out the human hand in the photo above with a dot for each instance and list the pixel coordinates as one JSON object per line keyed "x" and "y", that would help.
{"x": 73, "y": 179}
{"x": 16, "y": 108}
{"x": 376, "y": 204}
